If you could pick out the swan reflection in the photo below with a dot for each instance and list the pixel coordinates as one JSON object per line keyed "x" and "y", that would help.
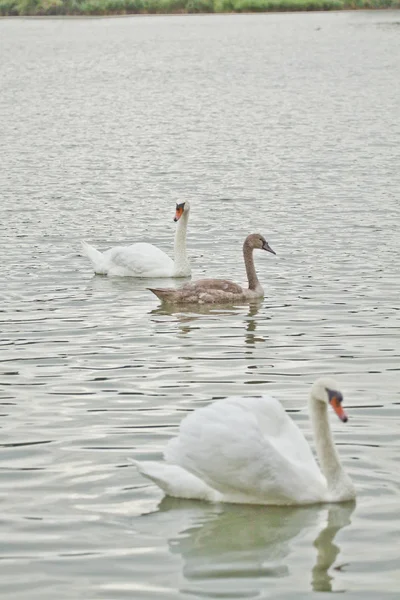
{"x": 327, "y": 551}
{"x": 129, "y": 285}
{"x": 249, "y": 544}
{"x": 185, "y": 316}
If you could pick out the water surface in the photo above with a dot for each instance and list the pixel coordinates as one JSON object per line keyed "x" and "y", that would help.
{"x": 286, "y": 124}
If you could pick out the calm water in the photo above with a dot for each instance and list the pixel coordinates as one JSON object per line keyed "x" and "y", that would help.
{"x": 284, "y": 124}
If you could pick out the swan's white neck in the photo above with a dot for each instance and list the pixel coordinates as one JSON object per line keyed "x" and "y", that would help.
{"x": 339, "y": 484}
{"x": 181, "y": 260}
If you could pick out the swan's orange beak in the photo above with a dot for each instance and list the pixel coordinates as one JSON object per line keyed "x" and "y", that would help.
{"x": 178, "y": 212}
{"x": 338, "y": 408}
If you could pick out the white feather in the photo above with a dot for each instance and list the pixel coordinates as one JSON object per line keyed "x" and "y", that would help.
{"x": 143, "y": 260}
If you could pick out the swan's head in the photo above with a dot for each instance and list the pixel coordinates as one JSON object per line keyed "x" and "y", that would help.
{"x": 326, "y": 390}
{"x": 181, "y": 208}
{"x": 257, "y": 241}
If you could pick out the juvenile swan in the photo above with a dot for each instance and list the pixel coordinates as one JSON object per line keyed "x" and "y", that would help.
{"x": 248, "y": 450}
{"x": 142, "y": 259}
{"x": 209, "y": 291}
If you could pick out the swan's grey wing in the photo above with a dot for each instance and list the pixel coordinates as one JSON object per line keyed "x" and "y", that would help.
{"x": 139, "y": 259}
{"x": 223, "y": 285}
{"x": 247, "y": 447}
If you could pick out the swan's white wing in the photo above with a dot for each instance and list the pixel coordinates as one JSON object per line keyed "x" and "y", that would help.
{"x": 176, "y": 481}
{"x": 249, "y": 450}
{"x": 139, "y": 260}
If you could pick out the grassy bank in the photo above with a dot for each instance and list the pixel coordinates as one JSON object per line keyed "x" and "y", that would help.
{"x": 120, "y": 7}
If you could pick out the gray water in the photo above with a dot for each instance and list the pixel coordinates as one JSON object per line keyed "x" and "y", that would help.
{"x": 288, "y": 124}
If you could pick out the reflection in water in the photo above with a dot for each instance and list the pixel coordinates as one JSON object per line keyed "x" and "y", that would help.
{"x": 250, "y": 337}
{"x": 189, "y": 314}
{"x": 100, "y": 283}
{"x": 327, "y": 551}
{"x": 206, "y": 309}
{"x": 247, "y": 542}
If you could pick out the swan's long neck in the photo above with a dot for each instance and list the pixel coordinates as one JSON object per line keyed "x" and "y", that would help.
{"x": 339, "y": 484}
{"x": 180, "y": 256}
{"x": 252, "y": 278}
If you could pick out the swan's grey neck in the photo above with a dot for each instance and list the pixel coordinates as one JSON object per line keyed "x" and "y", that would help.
{"x": 327, "y": 455}
{"x": 252, "y": 278}
{"x": 180, "y": 256}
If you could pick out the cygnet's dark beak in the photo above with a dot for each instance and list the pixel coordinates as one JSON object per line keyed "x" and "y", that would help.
{"x": 268, "y": 248}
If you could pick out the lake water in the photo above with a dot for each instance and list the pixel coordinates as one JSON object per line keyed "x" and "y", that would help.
{"x": 288, "y": 124}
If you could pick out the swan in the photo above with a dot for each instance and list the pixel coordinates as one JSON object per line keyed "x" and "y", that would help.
{"x": 142, "y": 259}
{"x": 248, "y": 450}
{"x": 212, "y": 291}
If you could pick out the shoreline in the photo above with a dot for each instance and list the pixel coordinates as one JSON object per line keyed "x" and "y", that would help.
{"x": 162, "y": 8}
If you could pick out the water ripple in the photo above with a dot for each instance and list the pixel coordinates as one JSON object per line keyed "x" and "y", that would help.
{"x": 266, "y": 124}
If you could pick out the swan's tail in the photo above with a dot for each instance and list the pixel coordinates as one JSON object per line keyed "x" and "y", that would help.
{"x": 95, "y": 257}
{"x": 165, "y": 294}
{"x": 176, "y": 481}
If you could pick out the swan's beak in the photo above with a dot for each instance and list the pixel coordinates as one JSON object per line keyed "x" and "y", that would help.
{"x": 268, "y": 248}
{"x": 178, "y": 213}
{"x": 338, "y": 408}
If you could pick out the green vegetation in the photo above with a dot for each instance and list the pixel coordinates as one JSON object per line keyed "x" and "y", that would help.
{"x": 121, "y": 7}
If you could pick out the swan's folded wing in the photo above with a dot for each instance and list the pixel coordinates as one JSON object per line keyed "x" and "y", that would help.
{"x": 248, "y": 447}
{"x": 176, "y": 481}
{"x": 222, "y": 285}
{"x": 140, "y": 259}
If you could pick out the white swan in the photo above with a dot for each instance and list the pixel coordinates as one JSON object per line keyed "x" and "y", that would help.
{"x": 248, "y": 450}
{"x": 142, "y": 259}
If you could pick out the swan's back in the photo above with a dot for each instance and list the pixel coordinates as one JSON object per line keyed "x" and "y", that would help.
{"x": 249, "y": 450}
{"x": 140, "y": 259}
{"x": 223, "y": 285}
